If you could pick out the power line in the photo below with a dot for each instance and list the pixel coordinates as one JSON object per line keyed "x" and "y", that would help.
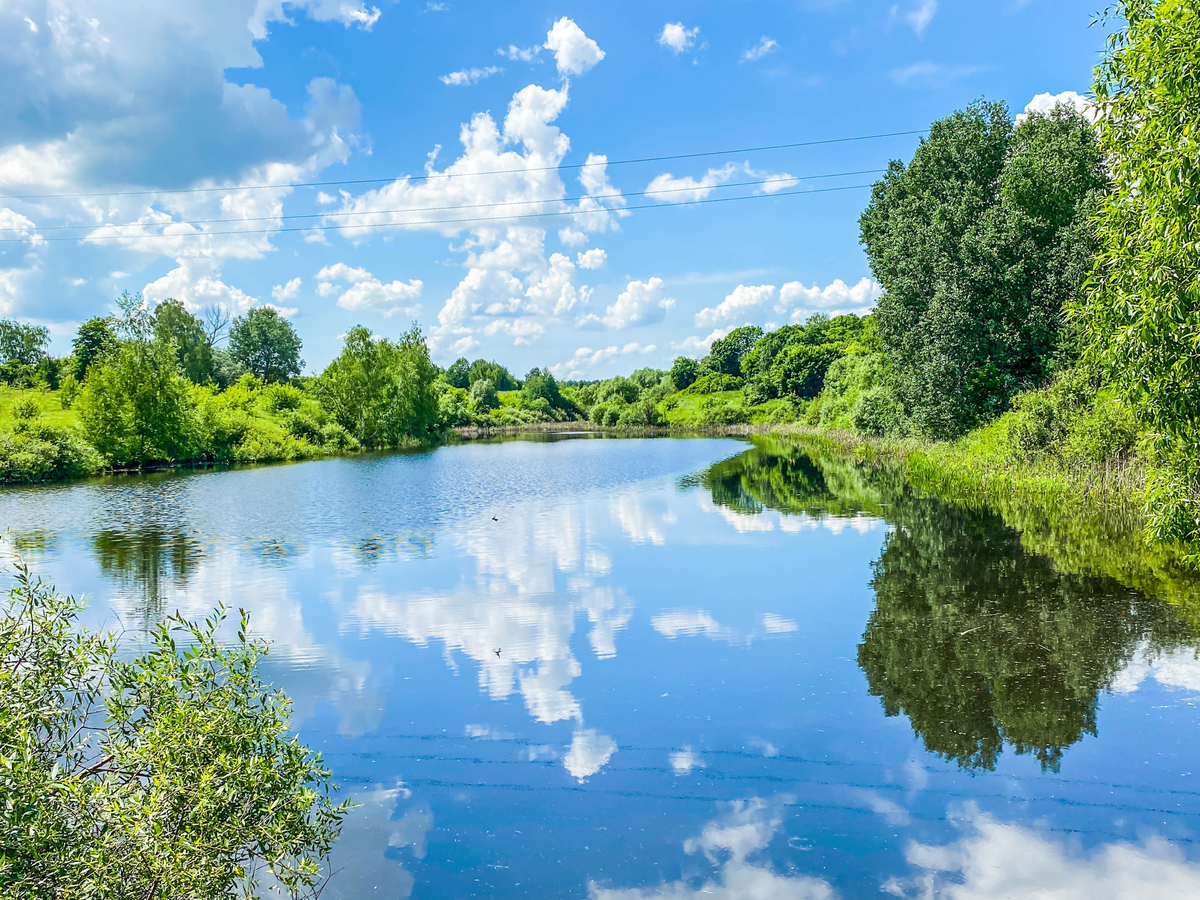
{"x": 426, "y": 177}
{"x": 576, "y": 212}
{"x": 412, "y": 209}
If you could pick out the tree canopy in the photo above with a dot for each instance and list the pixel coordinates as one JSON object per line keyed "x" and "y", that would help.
{"x": 980, "y": 242}
{"x": 266, "y": 344}
{"x": 175, "y": 326}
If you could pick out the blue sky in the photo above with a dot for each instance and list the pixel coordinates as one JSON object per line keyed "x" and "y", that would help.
{"x": 114, "y": 111}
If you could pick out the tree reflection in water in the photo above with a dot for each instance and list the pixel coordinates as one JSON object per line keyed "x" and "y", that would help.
{"x": 146, "y": 563}
{"x": 977, "y": 641}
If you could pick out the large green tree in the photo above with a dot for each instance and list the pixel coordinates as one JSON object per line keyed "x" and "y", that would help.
{"x": 1143, "y": 315}
{"x": 22, "y": 344}
{"x": 94, "y": 339}
{"x": 980, "y": 242}
{"x": 726, "y": 354}
{"x": 381, "y": 391}
{"x": 165, "y": 774}
{"x": 175, "y": 326}
{"x": 266, "y": 344}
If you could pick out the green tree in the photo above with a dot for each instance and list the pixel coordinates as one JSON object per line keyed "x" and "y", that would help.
{"x": 24, "y": 345}
{"x": 484, "y": 396}
{"x": 266, "y": 344}
{"x": 726, "y": 355}
{"x": 541, "y": 385}
{"x": 381, "y": 391}
{"x": 135, "y": 406}
{"x": 94, "y": 339}
{"x": 493, "y": 372}
{"x": 459, "y": 373}
{"x": 175, "y": 326}
{"x": 1143, "y": 312}
{"x": 171, "y": 773}
{"x": 684, "y": 372}
{"x": 980, "y": 242}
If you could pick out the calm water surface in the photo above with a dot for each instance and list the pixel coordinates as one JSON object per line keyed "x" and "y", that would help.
{"x": 672, "y": 668}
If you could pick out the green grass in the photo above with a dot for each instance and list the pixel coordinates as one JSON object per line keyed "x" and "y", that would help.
{"x": 52, "y": 410}
{"x": 688, "y": 410}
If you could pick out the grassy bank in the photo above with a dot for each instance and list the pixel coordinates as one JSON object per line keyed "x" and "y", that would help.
{"x": 1087, "y": 518}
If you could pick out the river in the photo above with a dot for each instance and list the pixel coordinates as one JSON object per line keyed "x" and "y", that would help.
{"x": 581, "y": 667}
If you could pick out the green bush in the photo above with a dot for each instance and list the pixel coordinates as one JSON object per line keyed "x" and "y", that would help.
{"x": 714, "y": 383}
{"x": 68, "y": 390}
{"x": 26, "y": 409}
{"x": 643, "y": 414}
{"x": 39, "y": 452}
{"x": 282, "y": 397}
{"x": 715, "y": 412}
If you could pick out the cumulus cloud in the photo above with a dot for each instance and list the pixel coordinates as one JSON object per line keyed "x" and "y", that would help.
{"x": 195, "y": 283}
{"x": 995, "y": 860}
{"x": 765, "y": 47}
{"x": 589, "y": 752}
{"x": 586, "y": 358}
{"x": 366, "y": 293}
{"x": 731, "y": 844}
{"x": 641, "y": 303}
{"x": 591, "y": 259}
{"x": 743, "y": 300}
{"x": 666, "y": 188}
{"x": 347, "y": 12}
{"x": 678, "y": 39}
{"x": 752, "y": 303}
{"x": 281, "y": 293}
{"x": 1045, "y": 104}
{"x": 695, "y": 345}
{"x": 510, "y": 275}
{"x": 464, "y": 77}
{"x": 574, "y": 52}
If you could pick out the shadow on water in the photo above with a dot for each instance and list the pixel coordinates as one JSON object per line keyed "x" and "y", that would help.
{"x": 977, "y": 641}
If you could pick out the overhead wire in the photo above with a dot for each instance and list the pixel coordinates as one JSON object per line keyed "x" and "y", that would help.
{"x": 438, "y": 175}
{"x": 435, "y": 222}
{"x": 617, "y": 195}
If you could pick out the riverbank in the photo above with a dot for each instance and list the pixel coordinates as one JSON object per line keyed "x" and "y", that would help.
{"x": 1088, "y": 519}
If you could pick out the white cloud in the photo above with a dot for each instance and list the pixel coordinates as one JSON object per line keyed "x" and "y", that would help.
{"x": 743, "y": 300}
{"x": 464, "y": 77}
{"x": 776, "y": 624}
{"x": 764, "y": 47}
{"x": 14, "y": 226}
{"x": 694, "y": 345}
{"x": 196, "y": 284}
{"x": 1045, "y": 103}
{"x": 932, "y": 75}
{"x": 586, "y": 358}
{"x": 367, "y": 293}
{"x": 1177, "y": 669}
{"x": 281, "y": 293}
{"x": 590, "y": 751}
{"x": 436, "y": 6}
{"x": 678, "y": 39}
{"x": 574, "y": 52}
{"x": 520, "y": 54}
{"x": 997, "y": 860}
{"x": 666, "y": 188}
{"x": 347, "y": 12}
{"x": 683, "y": 761}
{"x": 730, "y": 844}
{"x": 591, "y": 259}
{"x": 641, "y": 303}
{"x": 835, "y": 298}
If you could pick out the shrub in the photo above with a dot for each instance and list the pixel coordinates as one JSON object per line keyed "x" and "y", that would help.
{"x": 26, "y": 409}
{"x": 68, "y": 390}
{"x": 715, "y": 412}
{"x": 714, "y": 383}
{"x": 282, "y": 397}
{"x": 643, "y": 414}
{"x": 41, "y": 452}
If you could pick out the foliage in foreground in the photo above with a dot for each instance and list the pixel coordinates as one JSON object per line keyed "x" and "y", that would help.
{"x": 170, "y": 774}
{"x": 1143, "y": 311}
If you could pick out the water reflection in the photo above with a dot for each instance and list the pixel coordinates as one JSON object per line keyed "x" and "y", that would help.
{"x": 146, "y": 564}
{"x": 978, "y": 642}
